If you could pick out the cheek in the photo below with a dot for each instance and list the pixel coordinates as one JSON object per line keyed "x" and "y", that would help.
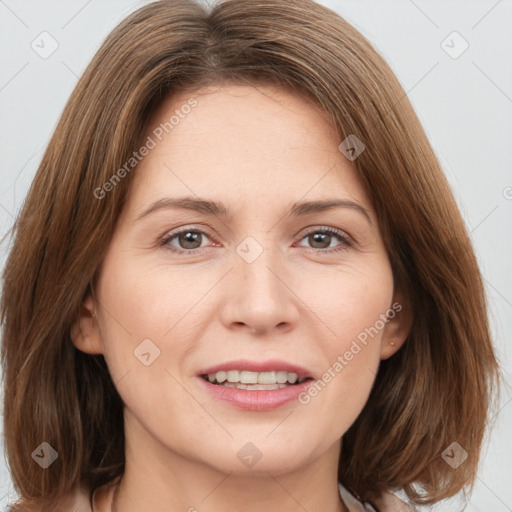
{"x": 144, "y": 331}
{"x": 352, "y": 309}
{"x": 143, "y": 312}
{"x": 153, "y": 317}
{"x": 150, "y": 300}
{"x": 350, "y": 302}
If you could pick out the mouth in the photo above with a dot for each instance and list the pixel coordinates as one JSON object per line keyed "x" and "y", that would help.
{"x": 254, "y": 381}
{"x": 256, "y": 386}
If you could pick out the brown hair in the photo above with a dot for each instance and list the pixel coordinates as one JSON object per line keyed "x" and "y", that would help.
{"x": 437, "y": 389}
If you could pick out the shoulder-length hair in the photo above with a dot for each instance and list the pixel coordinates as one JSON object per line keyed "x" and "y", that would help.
{"x": 436, "y": 390}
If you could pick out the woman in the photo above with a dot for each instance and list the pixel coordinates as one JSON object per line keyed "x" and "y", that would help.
{"x": 240, "y": 280}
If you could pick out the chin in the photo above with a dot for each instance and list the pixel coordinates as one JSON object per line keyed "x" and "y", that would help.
{"x": 258, "y": 456}
{"x": 274, "y": 465}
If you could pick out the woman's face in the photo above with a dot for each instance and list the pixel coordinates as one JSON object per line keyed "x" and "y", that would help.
{"x": 229, "y": 261}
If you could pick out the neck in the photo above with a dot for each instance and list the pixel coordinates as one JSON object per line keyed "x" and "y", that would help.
{"x": 159, "y": 479}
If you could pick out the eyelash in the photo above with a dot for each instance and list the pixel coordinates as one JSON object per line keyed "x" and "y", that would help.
{"x": 345, "y": 240}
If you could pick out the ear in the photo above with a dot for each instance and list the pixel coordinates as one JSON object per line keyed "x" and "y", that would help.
{"x": 398, "y": 326}
{"x": 85, "y": 332}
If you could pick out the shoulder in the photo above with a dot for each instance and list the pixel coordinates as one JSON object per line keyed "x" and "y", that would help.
{"x": 388, "y": 502}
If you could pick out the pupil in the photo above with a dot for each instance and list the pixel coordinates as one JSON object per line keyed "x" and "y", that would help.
{"x": 190, "y": 238}
{"x": 321, "y": 238}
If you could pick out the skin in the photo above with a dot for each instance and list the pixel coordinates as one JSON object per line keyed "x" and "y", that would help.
{"x": 258, "y": 150}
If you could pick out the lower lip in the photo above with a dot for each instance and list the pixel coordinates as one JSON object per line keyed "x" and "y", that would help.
{"x": 257, "y": 400}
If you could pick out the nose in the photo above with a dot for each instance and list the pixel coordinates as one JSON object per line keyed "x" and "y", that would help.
{"x": 259, "y": 296}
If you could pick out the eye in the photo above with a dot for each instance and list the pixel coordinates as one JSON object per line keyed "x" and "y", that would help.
{"x": 186, "y": 240}
{"x": 190, "y": 239}
{"x": 323, "y": 238}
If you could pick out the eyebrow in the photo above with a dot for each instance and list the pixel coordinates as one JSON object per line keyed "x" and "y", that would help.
{"x": 218, "y": 209}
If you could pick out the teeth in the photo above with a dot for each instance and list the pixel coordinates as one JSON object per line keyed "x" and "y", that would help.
{"x": 254, "y": 387}
{"x": 267, "y": 378}
{"x": 249, "y": 377}
{"x": 254, "y": 380}
{"x": 292, "y": 378}
{"x": 233, "y": 376}
{"x": 281, "y": 377}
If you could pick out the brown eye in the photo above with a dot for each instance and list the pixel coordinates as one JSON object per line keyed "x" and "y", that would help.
{"x": 320, "y": 240}
{"x": 186, "y": 240}
{"x": 324, "y": 240}
{"x": 189, "y": 240}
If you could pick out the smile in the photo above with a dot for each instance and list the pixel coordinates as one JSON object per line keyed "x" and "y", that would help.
{"x": 256, "y": 381}
{"x": 257, "y": 386}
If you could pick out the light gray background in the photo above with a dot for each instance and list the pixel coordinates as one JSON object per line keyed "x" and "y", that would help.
{"x": 464, "y": 103}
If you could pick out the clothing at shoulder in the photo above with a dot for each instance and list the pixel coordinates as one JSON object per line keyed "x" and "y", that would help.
{"x": 387, "y": 502}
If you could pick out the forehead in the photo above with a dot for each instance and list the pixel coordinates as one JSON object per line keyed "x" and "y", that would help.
{"x": 233, "y": 141}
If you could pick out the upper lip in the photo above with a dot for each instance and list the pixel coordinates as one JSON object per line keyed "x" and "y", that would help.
{"x": 272, "y": 365}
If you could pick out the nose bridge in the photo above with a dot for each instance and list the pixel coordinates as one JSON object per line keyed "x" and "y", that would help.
{"x": 255, "y": 270}
{"x": 259, "y": 298}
